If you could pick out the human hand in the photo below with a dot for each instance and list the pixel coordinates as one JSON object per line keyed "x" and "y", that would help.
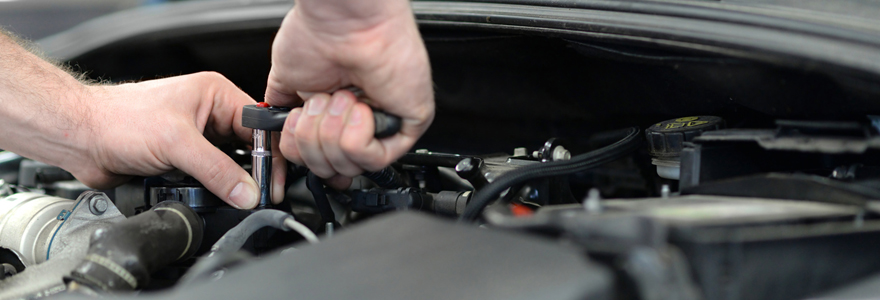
{"x": 152, "y": 127}
{"x": 326, "y": 45}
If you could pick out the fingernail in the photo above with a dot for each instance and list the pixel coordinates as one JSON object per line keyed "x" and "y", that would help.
{"x": 292, "y": 118}
{"x": 243, "y": 196}
{"x": 316, "y": 105}
{"x": 355, "y": 117}
{"x": 339, "y": 104}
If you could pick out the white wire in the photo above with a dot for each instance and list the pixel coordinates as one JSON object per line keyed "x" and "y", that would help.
{"x": 302, "y": 230}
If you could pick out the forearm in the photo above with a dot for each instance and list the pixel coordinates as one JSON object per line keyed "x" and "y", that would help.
{"x": 347, "y": 16}
{"x": 40, "y": 115}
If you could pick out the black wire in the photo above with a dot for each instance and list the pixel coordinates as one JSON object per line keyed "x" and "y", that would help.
{"x": 313, "y": 182}
{"x": 579, "y": 163}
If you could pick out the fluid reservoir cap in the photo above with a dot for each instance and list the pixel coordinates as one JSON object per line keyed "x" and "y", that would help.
{"x": 666, "y": 138}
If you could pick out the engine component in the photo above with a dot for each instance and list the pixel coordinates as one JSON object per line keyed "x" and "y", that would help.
{"x": 122, "y": 257}
{"x": 313, "y": 182}
{"x": 387, "y": 178}
{"x": 28, "y": 222}
{"x": 41, "y": 177}
{"x": 736, "y": 248}
{"x": 57, "y": 233}
{"x": 36, "y": 174}
{"x": 581, "y": 162}
{"x": 666, "y": 141}
{"x": 226, "y": 251}
{"x": 382, "y": 200}
{"x": 802, "y": 146}
{"x": 450, "y": 203}
{"x": 410, "y": 255}
{"x": 197, "y": 198}
{"x": 790, "y": 186}
{"x": 236, "y": 237}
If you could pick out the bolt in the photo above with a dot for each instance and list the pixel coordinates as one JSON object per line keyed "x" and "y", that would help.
{"x": 423, "y": 151}
{"x": 536, "y": 154}
{"x": 465, "y": 165}
{"x": 489, "y": 176}
{"x": 218, "y": 274}
{"x": 329, "y": 229}
{"x": 560, "y": 153}
{"x": 593, "y": 203}
{"x": 665, "y": 191}
{"x": 98, "y": 205}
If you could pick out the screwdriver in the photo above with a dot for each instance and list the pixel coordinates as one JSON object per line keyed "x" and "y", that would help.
{"x": 264, "y": 119}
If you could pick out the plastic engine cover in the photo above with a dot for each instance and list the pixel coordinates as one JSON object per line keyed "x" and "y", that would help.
{"x": 413, "y": 256}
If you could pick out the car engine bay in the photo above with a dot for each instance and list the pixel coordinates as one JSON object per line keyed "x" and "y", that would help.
{"x": 560, "y": 166}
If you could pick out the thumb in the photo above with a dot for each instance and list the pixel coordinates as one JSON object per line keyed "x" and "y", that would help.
{"x": 279, "y": 93}
{"x": 217, "y": 171}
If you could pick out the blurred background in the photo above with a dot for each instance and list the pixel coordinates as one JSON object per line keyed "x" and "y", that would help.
{"x": 36, "y": 19}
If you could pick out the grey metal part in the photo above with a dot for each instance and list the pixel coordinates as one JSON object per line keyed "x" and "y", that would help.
{"x": 27, "y": 221}
{"x": 69, "y": 246}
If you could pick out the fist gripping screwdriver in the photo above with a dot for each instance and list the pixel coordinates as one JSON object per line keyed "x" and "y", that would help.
{"x": 264, "y": 119}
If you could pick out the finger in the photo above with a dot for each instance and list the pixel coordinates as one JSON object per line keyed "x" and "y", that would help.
{"x": 280, "y": 94}
{"x": 222, "y": 115}
{"x": 287, "y": 142}
{"x": 339, "y": 182}
{"x": 279, "y": 170}
{"x": 363, "y": 149}
{"x": 330, "y": 131}
{"x": 306, "y": 133}
{"x": 218, "y": 172}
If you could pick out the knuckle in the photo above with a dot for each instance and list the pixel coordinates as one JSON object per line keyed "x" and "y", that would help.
{"x": 211, "y": 76}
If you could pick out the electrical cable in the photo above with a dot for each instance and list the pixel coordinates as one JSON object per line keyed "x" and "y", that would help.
{"x": 304, "y": 231}
{"x": 225, "y": 252}
{"x": 238, "y": 235}
{"x": 313, "y": 182}
{"x": 579, "y": 163}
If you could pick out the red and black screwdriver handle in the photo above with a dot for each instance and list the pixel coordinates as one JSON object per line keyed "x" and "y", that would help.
{"x": 271, "y": 118}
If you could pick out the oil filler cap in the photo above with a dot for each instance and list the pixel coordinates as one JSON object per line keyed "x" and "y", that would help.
{"x": 665, "y": 139}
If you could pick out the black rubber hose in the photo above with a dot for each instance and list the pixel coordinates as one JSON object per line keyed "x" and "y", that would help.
{"x": 579, "y": 163}
{"x": 387, "y": 178}
{"x": 122, "y": 257}
{"x": 238, "y": 235}
{"x": 313, "y": 182}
